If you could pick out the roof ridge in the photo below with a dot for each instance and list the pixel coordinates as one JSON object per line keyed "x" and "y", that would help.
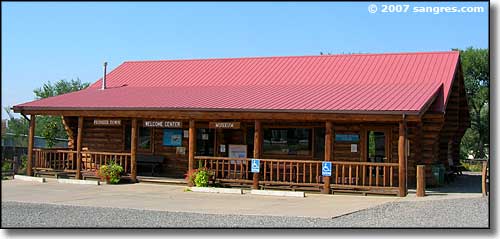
{"x": 304, "y": 56}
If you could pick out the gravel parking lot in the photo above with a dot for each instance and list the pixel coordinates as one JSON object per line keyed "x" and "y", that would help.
{"x": 470, "y": 212}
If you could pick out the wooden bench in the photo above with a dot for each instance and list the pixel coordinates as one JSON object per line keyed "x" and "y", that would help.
{"x": 154, "y": 161}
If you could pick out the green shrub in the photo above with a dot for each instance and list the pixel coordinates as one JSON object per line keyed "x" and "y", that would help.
{"x": 111, "y": 172}
{"x": 6, "y": 166}
{"x": 24, "y": 164}
{"x": 199, "y": 177}
{"x": 473, "y": 167}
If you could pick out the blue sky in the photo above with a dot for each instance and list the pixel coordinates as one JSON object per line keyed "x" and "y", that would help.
{"x": 51, "y": 41}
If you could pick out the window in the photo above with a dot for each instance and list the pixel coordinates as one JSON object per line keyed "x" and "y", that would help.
{"x": 144, "y": 140}
{"x": 291, "y": 141}
{"x": 376, "y": 146}
{"x": 128, "y": 136}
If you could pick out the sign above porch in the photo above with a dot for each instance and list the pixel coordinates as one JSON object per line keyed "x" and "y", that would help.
{"x": 162, "y": 124}
{"x": 107, "y": 122}
{"x": 224, "y": 125}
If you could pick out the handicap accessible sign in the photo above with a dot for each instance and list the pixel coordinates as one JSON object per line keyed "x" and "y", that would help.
{"x": 326, "y": 169}
{"x": 255, "y": 165}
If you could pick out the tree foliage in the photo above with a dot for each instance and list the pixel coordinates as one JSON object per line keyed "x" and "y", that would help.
{"x": 18, "y": 127}
{"x": 51, "y": 127}
{"x": 475, "y": 66}
{"x": 60, "y": 87}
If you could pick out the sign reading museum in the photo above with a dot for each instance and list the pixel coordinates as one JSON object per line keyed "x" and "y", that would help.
{"x": 224, "y": 125}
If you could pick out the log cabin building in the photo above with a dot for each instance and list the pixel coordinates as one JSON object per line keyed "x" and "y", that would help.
{"x": 373, "y": 116}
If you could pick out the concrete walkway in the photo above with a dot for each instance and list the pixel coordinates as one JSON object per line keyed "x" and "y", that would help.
{"x": 174, "y": 199}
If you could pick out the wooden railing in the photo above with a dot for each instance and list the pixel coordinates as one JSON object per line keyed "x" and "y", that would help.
{"x": 364, "y": 175}
{"x": 291, "y": 172}
{"x": 227, "y": 169}
{"x": 345, "y": 175}
{"x": 91, "y": 161}
{"x": 57, "y": 159}
{"x": 66, "y": 160}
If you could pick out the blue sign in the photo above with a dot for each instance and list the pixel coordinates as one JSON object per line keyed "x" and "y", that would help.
{"x": 326, "y": 169}
{"x": 255, "y": 166}
{"x": 172, "y": 137}
{"x": 347, "y": 137}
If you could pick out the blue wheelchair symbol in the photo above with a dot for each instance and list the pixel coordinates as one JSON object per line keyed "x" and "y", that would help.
{"x": 255, "y": 166}
{"x": 326, "y": 169}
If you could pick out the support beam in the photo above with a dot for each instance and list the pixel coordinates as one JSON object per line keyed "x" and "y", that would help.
{"x": 192, "y": 147}
{"x": 31, "y": 138}
{"x": 328, "y": 153}
{"x": 420, "y": 180}
{"x": 257, "y": 150}
{"x": 484, "y": 175}
{"x": 402, "y": 159}
{"x": 133, "y": 151}
{"x": 79, "y": 149}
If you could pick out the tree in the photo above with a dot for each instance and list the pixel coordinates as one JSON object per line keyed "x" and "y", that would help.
{"x": 475, "y": 66}
{"x": 51, "y": 127}
{"x": 18, "y": 127}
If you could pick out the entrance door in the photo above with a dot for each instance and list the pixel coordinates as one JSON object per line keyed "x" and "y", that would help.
{"x": 205, "y": 142}
{"x": 377, "y": 142}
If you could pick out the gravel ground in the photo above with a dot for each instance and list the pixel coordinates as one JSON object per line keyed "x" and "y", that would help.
{"x": 472, "y": 212}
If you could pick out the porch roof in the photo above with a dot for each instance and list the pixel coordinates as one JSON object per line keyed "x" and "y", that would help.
{"x": 354, "y": 83}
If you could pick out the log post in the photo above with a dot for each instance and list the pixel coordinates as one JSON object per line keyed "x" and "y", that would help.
{"x": 257, "y": 150}
{"x": 31, "y": 138}
{"x": 402, "y": 159}
{"x": 328, "y": 153}
{"x": 420, "y": 180}
{"x": 192, "y": 148}
{"x": 133, "y": 151}
{"x": 79, "y": 148}
{"x": 484, "y": 175}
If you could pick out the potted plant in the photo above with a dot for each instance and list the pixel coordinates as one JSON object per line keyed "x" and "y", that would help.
{"x": 110, "y": 173}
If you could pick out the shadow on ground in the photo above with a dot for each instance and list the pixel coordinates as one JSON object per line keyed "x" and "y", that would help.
{"x": 469, "y": 182}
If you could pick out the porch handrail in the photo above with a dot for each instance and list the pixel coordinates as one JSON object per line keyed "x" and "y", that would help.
{"x": 55, "y": 150}
{"x": 106, "y": 153}
{"x": 299, "y": 160}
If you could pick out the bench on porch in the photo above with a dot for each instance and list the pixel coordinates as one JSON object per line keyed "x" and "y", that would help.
{"x": 153, "y": 161}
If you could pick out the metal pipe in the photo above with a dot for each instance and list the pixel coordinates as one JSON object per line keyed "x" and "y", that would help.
{"x": 104, "y": 77}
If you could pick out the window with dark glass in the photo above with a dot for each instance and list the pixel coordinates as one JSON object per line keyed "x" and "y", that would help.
{"x": 287, "y": 141}
{"x": 144, "y": 140}
{"x": 376, "y": 146}
{"x": 128, "y": 133}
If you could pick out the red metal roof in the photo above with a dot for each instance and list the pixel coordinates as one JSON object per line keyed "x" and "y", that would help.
{"x": 371, "y": 83}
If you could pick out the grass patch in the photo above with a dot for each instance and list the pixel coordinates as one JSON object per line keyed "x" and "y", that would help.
{"x": 473, "y": 167}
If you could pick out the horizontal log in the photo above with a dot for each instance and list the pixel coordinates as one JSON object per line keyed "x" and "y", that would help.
{"x": 362, "y": 187}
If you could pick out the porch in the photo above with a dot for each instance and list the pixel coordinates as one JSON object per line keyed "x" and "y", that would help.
{"x": 364, "y": 174}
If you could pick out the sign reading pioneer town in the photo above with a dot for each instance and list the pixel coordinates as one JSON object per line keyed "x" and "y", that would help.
{"x": 107, "y": 122}
{"x": 224, "y": 125}
{"x": 162, "y": 124}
